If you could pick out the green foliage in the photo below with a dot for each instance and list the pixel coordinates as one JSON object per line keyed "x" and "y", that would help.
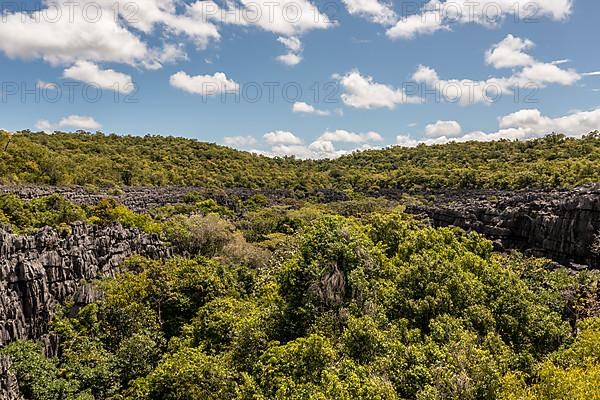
{"x": 571, "y": 373}
{"x": 191, "y": 374}
{"x": 38, "y": 377}
{"x": 108, "y": 211}
{"x": 53, "y": 210}
{"x": 373, "y": 307}
{"x": 111, "y": 160}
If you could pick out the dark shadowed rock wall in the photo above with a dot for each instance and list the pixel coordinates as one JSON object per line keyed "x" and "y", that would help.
{"x": 559, "y": 224}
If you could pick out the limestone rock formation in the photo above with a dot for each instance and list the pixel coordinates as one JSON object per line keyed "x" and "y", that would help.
{"x": 39, "y": 271}
{"x": 559, "y": 224}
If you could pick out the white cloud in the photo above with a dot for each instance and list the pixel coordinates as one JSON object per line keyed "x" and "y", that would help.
{"x": 240, "y": 141}
{"x": 438, "y": 15}
{"x": 80, "y": 122}
{"x": 206, "y": 85}
{"x": 292, "y": 150}
{"x": 341, "y": 135}
{"x": 169, "y": 54}
{"x": 285, "y": 143}
{"x": 443, "y": 128}
{"x": 282, "y": 137}
{"x": 302, "y": 107}
{"x": 544, "y": 73}
{"x": 417, "y": 24}
{"x": 292, "y": 43}
{"x": 290, "y": 59}
{"x": 319, "y": 149}
{"x": 65, "y": 32}
{"x": 72, "y": 121}
{"x": 37, "y": 35}
{"x": 375, "y": 11}
{"x": 90, "y": 73}
{"x": 408, "y": 141}
{"x": 595, "y": 73}
{"x": 510, "y": 53}
{"x": 363, "y": 92}
{"x": 522, "y": 125}
{"x": 44, "y": 125}
{"x": 294, "y": 54}
{"x": 285, "y": 18}
{"x": 535, "y": 124}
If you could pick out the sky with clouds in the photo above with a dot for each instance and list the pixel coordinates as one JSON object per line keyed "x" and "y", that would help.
{"x": 306, "y": 78}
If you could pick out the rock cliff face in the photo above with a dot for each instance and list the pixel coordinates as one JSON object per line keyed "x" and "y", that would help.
{"x": 39, "y": 271}
{"x": 560, "y": 224}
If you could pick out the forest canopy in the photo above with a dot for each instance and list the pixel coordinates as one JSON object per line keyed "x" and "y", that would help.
{"x": 110, "y": 160}
{"x": 312, "y": 301}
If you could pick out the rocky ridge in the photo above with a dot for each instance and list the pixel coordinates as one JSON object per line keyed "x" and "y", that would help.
{"x": 559, "y": 224}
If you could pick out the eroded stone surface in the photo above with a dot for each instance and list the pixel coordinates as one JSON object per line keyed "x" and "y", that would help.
{"x": 41, "y": 270}
{"x": 558, "y": 224}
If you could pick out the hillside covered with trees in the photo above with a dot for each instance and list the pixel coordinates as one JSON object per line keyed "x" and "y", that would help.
{"x": 112, "y": 160}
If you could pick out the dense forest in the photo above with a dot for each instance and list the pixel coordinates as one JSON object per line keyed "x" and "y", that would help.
{"x": 344, "y": 300}
{"x": 102, "y": 160}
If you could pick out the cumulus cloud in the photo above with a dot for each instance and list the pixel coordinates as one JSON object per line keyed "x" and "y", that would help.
{"x": 508, "y": 53}
{"x": 290, "y": 59}
{"x": 90, "y": 73}
{"x": 282, "y": 137}
{"x": 409, "y": 141}
{"x": 294, "y": 54}
{"x": 436, "y": 15}
{"x": 289, "y": 19}
{"x": 285, "y": 18}
{"x": 72, "y": 121}
{"x": 363, "y": 92}
{"x": 319, "y": 149}
{"x": 374, "y": 10}
{"x": 240, "y": 141}
{"x": 522, "y": 125}
{"x": 443, "y": 128}
{"x": 302, "y": 107}
{"x": 65, "y": 32}
{"x": 429, "y": 22}
{"x": 206, "y": 85}
{"x": 286, "y": 144}
{"x": 341, "y": 135}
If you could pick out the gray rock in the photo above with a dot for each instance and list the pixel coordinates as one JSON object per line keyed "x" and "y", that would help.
{"x": 559, "y": 224}
{"x": 39, "y": 271}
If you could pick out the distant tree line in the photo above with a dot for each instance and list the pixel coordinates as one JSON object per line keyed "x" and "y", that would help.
{"x": 110, "y": 160}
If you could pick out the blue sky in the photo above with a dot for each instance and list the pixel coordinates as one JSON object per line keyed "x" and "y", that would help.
{"x": 169, "y": 59}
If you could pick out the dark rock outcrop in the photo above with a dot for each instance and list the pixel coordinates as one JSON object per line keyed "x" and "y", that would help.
{"x": 41, "y": 270}
{"x": 559, "y": 224}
